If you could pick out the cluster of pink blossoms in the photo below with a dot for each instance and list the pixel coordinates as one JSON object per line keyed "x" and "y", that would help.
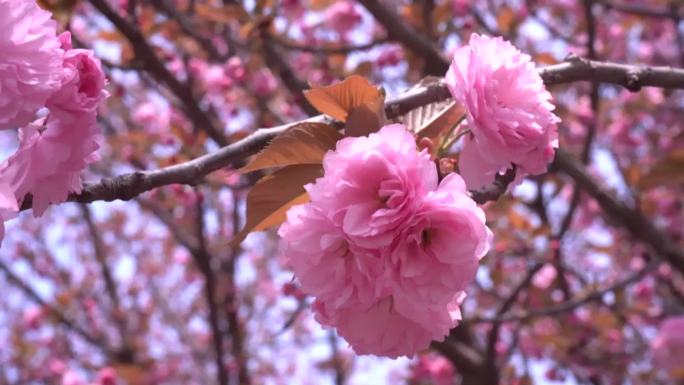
{"x": 40, "y": 69}
{"x": 508, "y": 108}
{"x": 384, "y": 247}
{"x": 668, "y": 346}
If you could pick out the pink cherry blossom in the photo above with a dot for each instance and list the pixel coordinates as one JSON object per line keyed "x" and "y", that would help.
{"x": 54, "y": 150}
{"x": 508, "y": 108}
{"x": 82, "y": 84}
{"x": 382, "y": 243}
{"x": 545, "y": 276}
{"x": 380, "y": 330}
{"x": 106, "y": 376}
{"x": 263, "y": 82}
{"x": 30, "y": 61}
{"x": 433, "y": 369}
{"x": 374, "y": 184}
{"x": 32, "y": 317}
{"x": 153, "y": 117}
{"x": 668, "y": 346}
{"x": 8, "y": 206}
{"x": 438, "y": 250}
{"x": 72, "y": 377}
{"x": 343, "y": 17}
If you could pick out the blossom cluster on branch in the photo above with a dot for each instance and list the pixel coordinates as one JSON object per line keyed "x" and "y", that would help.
{"x": 39, "y": 69}
{"x": 386, "y": 249}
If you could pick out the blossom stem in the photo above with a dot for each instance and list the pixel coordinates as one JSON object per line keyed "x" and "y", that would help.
{"x": 450, "y": 139}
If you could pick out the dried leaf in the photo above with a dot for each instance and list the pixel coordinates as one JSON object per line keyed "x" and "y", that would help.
{"x": 271, "y": 197}
{"x": 304, "y": 143}
{"x": 440, "y": 124}
{"x": 339, "y": 99}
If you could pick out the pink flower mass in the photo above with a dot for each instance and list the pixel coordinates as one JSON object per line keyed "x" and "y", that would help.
{"x": 30, "y": 61}
{"x": 508, "y": 109}
{"x": 384, "y": 247}
{"x": 54, "y": 150}
{"x": 42, "y": 70}
{"x": 668, "y": 346}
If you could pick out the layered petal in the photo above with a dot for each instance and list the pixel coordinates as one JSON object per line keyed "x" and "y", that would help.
{"x": 508, "y": 108}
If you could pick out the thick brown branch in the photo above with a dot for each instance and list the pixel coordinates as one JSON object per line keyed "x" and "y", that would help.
{"x": 128, "y": 186}
{"x": 632, "y": 77}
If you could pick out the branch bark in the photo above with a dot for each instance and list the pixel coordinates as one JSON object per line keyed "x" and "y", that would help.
{"x": 128, "y": 186}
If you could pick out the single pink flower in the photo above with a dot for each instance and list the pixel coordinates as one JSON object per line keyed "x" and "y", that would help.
{"x": 154, "y": 118}
{"x": 263, "y": 82}
{"x": 8, "y": 206}
{"x": 381, "y": 243}
{"x": 438, "y": 250}
{"x": 30, "y": 61}
{"x": 82, "y": 85}
{"x": 545, "y": 276}
{"x": 106, "y": 376}
{"x": 508, "y": 108}
{"x": 32, "y": 318}
{"x": 375, "y": 184}
{"x": 380, "y": 330}
{"x": 432, "y": 369}
{"x": 343, "y": 16}
{"x": 668, "y": 346}
{"x": 72, "y": 377}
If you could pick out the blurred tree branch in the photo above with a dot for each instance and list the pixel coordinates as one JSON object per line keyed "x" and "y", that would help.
{"x": 145, "y": 53}
{"x": 397, "y": 29}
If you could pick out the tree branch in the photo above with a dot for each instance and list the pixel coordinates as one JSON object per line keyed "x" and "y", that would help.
{"x": 154, "y": 65}
{"x": 567, "y": 306}
{"x": 95, "y": 341}
{"x": 633, "y": 220}
{"x": 641, "y": 10}
{"x": 325, "y": 49}
{"x": 196, "y": 246}
{"x": 128, "y": 186}
{"x": 99, "y": 249}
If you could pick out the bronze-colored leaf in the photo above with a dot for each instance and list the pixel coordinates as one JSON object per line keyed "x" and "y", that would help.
{"x": 339, "y": 99}
{"x": 271, "y": 197}
{"x": 505, "y": 19}
{"x": 366, "y": 119}
{"x": 304, "y": 143}
{"x": 222, "y": 15}
{"x": 666, "y": 172}
{"x": 440, "y": 123}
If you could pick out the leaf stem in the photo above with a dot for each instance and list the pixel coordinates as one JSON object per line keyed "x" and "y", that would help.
{"x": 448, "y": 142}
